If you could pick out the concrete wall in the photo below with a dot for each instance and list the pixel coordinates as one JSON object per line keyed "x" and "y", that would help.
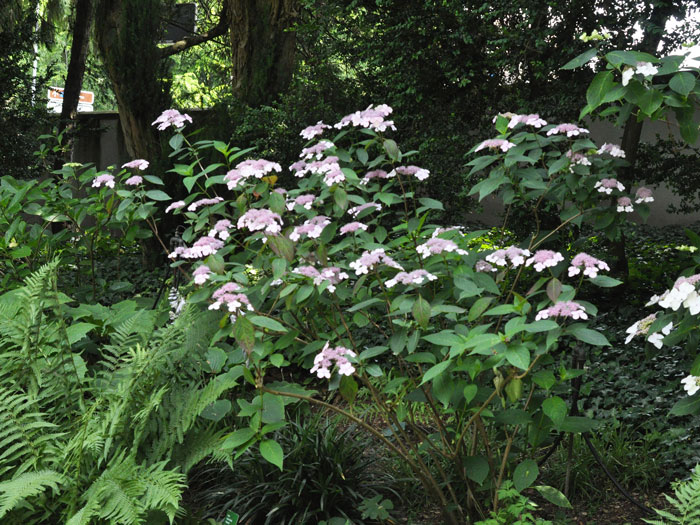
{"x": 102, "y": 143}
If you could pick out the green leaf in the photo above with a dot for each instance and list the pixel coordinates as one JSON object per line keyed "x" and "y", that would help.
{"x": 587, "y": 335}
{"x": 686, "y": 406}
{"x": 553, "y": 496}
{"x": 605, "y": 282}
{"x": 476, "y": 468}
{"x": 555, "y": 408}
{"x": 525, "y": 474}
{"x": 392, "y": 150}
{"x": 282, "y": 246}
{"x": 599, "y": 87}
{"x": 348, "y": 387}
{"x": 480, "y": 163}
{"x": 217, "y": 410}
{"x": 272, "y": 452}
{"x": 650, "y": 101}
{"x": 421, "y": 311}
{"x": 22, "y": 251}
{"x": 237, "y": 438}
{"x": 244, "y": 333}
{"x": 216, "y": 359}
{"x": 682, "y": 83}
{"x": 272, "y": 408}
{"x": 444, "y": 338}
{"x": 580, "y": 60}
{"x": 470, "y": 392}
{"x": 157, "y": 195}
{"x": 340, "y": 197}
{"x": 629, "y": 58}
{"x": 435, "y": 371}
{"x": 267, "y": 322}
{"x": 77, "y": 331}
{"x": 431, "y": 204}
{"x": 518, "y": 357}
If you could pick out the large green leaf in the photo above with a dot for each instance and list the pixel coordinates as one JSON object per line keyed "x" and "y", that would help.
{"x": 686, "y": 406}
{"x": 267, "y": 322}
{"x": 525, "y": 474}
{"x": 580, "y": 60}
{"x": 602, "y": 83}
{"x": 435, "y": 371}
{"x": 553, "y": 496}
{"x": 272, "y": 452}
{"x": 476, "y": 468}
{"x": 682, "y": 83}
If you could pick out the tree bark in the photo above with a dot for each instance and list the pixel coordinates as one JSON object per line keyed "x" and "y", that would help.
{"x": 76, "y": 71}
{"x": 262, "y": 46}
{"x": 127, "y": 32}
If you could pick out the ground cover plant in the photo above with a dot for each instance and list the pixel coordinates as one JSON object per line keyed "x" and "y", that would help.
{"x": 338, "y": 294}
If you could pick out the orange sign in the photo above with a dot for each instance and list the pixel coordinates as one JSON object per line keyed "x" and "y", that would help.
{"x": 86, "y": 97}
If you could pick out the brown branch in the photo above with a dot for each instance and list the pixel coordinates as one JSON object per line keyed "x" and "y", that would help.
{"x": 194, "y": 40}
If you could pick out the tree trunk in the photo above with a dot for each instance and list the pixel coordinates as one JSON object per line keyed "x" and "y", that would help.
{"x": 76, "y": 71}
{"x": 127, "y": 32}
{"x": 262, "y": 46}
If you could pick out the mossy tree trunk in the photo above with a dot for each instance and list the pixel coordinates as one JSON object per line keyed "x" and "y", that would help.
{"x": 262, "y": 46}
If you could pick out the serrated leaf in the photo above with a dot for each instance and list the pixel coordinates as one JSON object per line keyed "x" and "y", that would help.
{"x": 588, "y": 336}
{"x": 476, "y": 468}
{"x": 216, "y": 358}
{"x": 554, "y": 289}
{"x": 157, "y": 195}
{"x": 244, "y": 333}
{"x": 580, "y": 60}
{"x": 267, "y": 322}
{"x": 77, "y": 331}
{"x": 686, "y": 406}
{"x": 682, "y": 83}
{"x": 555, "y": 408}
{"x": 421, "y": 311}
{"x": 435, "y": 371}
{"x": 553, "y": 496}
{"x": 272, "y": 452}
{"x": 602, "y": 83}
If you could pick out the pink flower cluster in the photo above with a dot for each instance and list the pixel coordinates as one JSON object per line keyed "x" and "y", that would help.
{"x": 563, "y": 309}
{"x": 355, "y": 211}
{"x": 502, "y": 144}
{"x": 332, "y": 274}
{"x": 436, "y": 245}
{"x": 261, "y": 220}
{"x": 171, "y": 117}
{"x": 328, "y": 167}
{"x": 312, "y": 131}
{"x": 414, "y": 277}
{"x": 204, "y": 202}
{"x": 175, "y": 206}
{"x": 107, "y": 180}
{"x": 257, "y": 168}
{"x": 533, "y": 120}
{"x": 134, "y": 180}
{"x": 221, "y": 229}
{"x": 542, "y": 259}
{"x": 571, "y": 130}
{"x": 372, "y": 118}
{"x": 369, "y": 260}
{"x": 234, "y": 302}
{"x": 590, "y": 265}
{"x": 643, "y": 195}
{"x": 375, "y": 174}
{"x": 138, "y": 164}
{"x": 352, "y": 227}
{"x": 204, "y": 247}
{"x": 201, "y": 274}
{"x": 513, "y": 253}
{"x": 624, "y": 204}
{"x": 608, "y": 185}
{"x": 612, "y": 149}
{"x": 311, "y": 228}
{"x": 316, "y": 151}
{"x": 325, "y": 358}
{"x": 419, "y": 173}
{"x": 578, "y": 158}
{"x": 305, "y": 201}
{"x": 483, "y": 266}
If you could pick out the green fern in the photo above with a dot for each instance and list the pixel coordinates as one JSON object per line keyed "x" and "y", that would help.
{"x": 686, "y": 503}
{"x": 27, "y": 485}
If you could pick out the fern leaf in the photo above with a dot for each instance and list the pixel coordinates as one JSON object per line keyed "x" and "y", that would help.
{"x": 25, "y": 486}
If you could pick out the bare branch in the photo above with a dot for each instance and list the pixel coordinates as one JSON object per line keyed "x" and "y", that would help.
{"x": 190, "y": 41}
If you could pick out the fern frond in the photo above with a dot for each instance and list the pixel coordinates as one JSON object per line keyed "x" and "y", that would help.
{"x": 686, "y": 504}
{"x": 25, "y": 486}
